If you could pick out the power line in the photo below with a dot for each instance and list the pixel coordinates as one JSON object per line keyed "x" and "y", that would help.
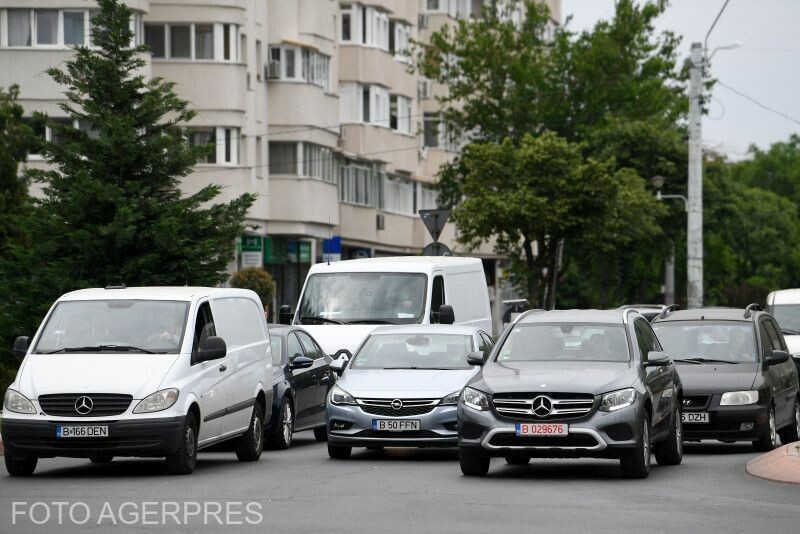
{"x": 759, "y": 104}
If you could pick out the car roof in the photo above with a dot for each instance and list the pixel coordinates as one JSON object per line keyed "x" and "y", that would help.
{"x": 577, "y": 316}
{"x": 409, "y": 264}
{"x": 181, "y": 293}
{"x": 709, "y": 314}
{"x": 460, "y": 330}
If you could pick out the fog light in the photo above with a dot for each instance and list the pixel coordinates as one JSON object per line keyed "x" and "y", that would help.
{"x": 746, "y": 426}
{"x": 340, "y": 425}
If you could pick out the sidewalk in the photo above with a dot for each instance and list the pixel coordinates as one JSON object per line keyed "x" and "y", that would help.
{"x": 780, "y": 465}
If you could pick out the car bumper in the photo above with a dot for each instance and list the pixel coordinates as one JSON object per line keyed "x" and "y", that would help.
{"x": 598, "y": 435}
{"x": 144, "y": 438}
{"x": 729, "y": 423}
{"x": 352, "y": 427}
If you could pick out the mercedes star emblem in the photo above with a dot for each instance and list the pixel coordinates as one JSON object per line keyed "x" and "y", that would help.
{"x": 84, "y": 405}
{"x": 541, "y": 406}
{"x": 397, "y": 404}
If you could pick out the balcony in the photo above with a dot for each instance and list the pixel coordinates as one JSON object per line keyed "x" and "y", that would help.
{"x": 208, "y": 85}
{"x": 303, "y": 200}
{"x": 399, "y": 151}
{"x": 301, "y": 104}
{"x": 366, "y": 64}
{"x": 430, "y": 165}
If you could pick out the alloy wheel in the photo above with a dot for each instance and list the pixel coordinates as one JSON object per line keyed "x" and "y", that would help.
{"x": 646, "y": 444}
{"x": 190, "y": 442}
{"x": 773, "y": 433}
{"x": 288, "y": 423}
{"x": 257, "y": 430}
{"x": 679, "y": 431}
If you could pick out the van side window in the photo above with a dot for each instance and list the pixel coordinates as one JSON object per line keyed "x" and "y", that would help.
{"x": 437, "y": 296}
{"x": 203, "y": 326}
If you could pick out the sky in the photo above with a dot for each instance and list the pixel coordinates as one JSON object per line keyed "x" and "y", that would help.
{"x": 766, "y": 67}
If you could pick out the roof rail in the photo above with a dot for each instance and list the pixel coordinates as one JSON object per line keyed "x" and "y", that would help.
{"x": 120, "y": 285}
{"x": 748, "y": 311}
{"x": 669, "y": 309}
{"x": 526, "y": 313}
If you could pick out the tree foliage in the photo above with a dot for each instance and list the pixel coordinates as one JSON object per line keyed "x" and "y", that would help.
{"x": 256, "y": 279}
{"x": 15, "y": 140}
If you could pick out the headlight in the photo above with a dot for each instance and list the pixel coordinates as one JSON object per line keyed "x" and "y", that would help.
{"x": 14, "y": 401}
{"x": 158, "y": 401}
{"x": 452, "y": 398}
{"x": 738, "y": 398}
{"x": 340, "y": 396}
{"x": 618, "y": 399}
{"x": 475, "y": 399}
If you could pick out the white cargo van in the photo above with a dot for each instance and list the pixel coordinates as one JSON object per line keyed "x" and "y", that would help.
{"x": 784, "y": 305}
{"x": 343, "y": 302}
{"x": 151, "y": 372}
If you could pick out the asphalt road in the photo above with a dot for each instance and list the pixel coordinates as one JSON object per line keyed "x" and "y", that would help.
{"x": 301, "y": 490}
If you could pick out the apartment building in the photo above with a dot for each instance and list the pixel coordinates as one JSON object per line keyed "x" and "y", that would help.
{"x": 309, "y": 103}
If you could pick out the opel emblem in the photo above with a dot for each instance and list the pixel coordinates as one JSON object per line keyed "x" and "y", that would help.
{"x": 397, "y": 404}
{"x": 84, "y": 405}
{"x": 541, "y": 406}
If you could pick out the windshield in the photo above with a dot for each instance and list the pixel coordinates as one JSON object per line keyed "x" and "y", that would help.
{"x": 565, "y": 342}
{"x": 788, "y": 316}
{"x": 394, "y": 298}
{"x": 414, "y": 351}
{"x": 726, "y": 341}
{"x": 114, "y": 326}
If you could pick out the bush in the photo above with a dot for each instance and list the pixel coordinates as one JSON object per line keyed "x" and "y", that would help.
{"x": 258, "y": 280}
{"x": 7, "y": 375}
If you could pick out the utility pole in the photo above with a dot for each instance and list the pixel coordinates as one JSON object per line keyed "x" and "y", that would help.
{"x": 669, "y": 277}
{"x": 694, "y": 230}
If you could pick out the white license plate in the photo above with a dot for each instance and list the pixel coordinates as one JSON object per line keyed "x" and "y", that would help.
{"x": 695, "y": 417}
{"x": 396, "y": 425}
{"x": 81, "y": 431}
{"x": 542, "y": 429}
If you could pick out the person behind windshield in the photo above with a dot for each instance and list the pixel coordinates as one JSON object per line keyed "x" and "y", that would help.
{"x": 739, "y": 349}
{"x": 597, "y": 346}
{"x": 169, "y": 328}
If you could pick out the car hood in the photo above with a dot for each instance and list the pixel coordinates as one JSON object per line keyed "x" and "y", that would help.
{"x": 396, "y": 383}
{"x": 334, "y": 337}
{"x": 132, "y": 374}
{"x": 716, "y": 378}
{"x": 567, "y": 377}
{"x": 793, "y": 343}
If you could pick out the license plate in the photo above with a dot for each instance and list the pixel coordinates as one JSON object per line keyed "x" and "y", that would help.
{"x": 695, "y": 417}
{"x": 542, "y": 429}
{"x": 396, "y": 425}
{"x": 81, "y": 431}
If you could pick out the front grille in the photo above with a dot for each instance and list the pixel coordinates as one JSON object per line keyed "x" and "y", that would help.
{"x": 583, "y": 441}
{"x": 695, "y": 402}
{"x": 102, "y": 404}
{"x": 385, "y": 408}
{"x": 564, "y": 405}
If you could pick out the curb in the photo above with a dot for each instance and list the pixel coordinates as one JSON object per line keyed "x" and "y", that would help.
{"x": 780, "y": 465}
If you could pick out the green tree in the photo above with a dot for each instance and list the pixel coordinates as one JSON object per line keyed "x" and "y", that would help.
{"x": 256, "y": 279}
{"x": 776, "y": 169}
{"x": 112, "y": 208}
{"x": 15, "y": 141}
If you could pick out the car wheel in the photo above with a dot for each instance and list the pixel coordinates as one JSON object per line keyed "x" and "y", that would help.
{"x": 637, "y": 463}
{"x": 517, "y": 460}
{"x": 791, "y": 433}
{"x": 338, "y": 452}
{"x": 20, "y": 467}
{"x": 184, "y": 460}
{"x": 101, "y": 459}
{"x": 281, "y": 437}
{"x": 321, "y": 433}
{"x": 251, "y": 443}
{"x": 473, "y": 465}
{"x": 769, "y": 440}
{"x": 670, "y": 451}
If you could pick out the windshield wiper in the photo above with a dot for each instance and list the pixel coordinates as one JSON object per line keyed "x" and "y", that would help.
{"x": 687, "y": 360}
{"x": 321, "y": 319}
{"x": 101, "y": 348}
{"x": 371, "y": 321}
{"x": 706, "y": 360}
{"x": 789, "y": 332}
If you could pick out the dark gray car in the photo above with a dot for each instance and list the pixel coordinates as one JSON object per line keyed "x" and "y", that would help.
{"x": 567, "y": 384}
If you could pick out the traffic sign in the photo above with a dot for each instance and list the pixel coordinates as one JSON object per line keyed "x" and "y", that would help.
{"x": 436, "y": 249}
{"x": 434, "y": 221}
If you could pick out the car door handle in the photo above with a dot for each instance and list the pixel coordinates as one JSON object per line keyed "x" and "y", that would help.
{"x": 223, "y": 368}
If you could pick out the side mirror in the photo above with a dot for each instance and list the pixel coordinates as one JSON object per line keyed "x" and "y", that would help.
{"x": 341, "y": 353}
{"x": 475, "y": 358}
{"x": 213, "y": 348}
{"x": 657, "y": 359}
{"x": 446, "y": 314}
{"x": 338, "y": 365}
{"x": 285, "y": 314}
{"x": 777, "y": 357}
{"x": 300, "y": 362}
{"x": 21, "y": 347}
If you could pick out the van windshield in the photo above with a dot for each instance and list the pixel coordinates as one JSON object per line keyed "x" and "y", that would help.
{"x": 788, "y": 317}
{"x": 114, "y": 326}
{"x": 364, "y": 298}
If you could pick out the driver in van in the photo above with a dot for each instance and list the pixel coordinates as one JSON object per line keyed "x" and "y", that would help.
{"x": 170, "y": 328}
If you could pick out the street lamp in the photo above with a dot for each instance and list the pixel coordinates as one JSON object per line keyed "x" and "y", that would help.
{"x": 669, "y": 268}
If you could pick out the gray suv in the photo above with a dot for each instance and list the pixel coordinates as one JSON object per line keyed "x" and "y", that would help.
{"x": 569, "y": 384}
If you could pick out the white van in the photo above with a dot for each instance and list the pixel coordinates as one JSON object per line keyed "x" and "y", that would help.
{"x": 150, "y": 372}
{"x": 784, "y": 305}
{"x": 343, "y": 302}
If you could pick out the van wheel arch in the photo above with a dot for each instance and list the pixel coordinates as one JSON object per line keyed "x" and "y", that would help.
{"x": 194, "y": 409}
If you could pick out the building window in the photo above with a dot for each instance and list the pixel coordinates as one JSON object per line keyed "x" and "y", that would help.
{"x": 359, "y": 185}
{"x": 282, "y": 158}
{"x": 197, "y": 42}
{"x": 366, "y": 25}
{"x": 397, "y": 195}
{"x": 47, "y": 27}
{"x": 431, "y": 129}
{"x": 399, "y": 39}
{"x": 154, "y": 37}
{"x": 314, "y": 68}
{"x": 52, "y": 28}
{"x": 74, "y": 27}
{"x": 205, "y": 137}
{"x": 364, "y": 103}
{"x": 346, "y": 23}
{"x": 426, "y": 198}
{"x": 19, "y": 27}
{"x": 180, "y": 42}
{"x": 224, "y": 140}
{"x": 400, "y": 114}
{"x": 204, "y": 41}
{"x": 303, "y": 159}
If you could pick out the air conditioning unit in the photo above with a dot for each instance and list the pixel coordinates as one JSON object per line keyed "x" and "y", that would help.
{"x": 380, "y": 222}
{"x": 425, "y": 89}
{"x": 422, "y": 21}
{"x": 273, "y": 70}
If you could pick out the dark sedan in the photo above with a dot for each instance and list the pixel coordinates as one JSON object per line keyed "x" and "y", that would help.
{"x": 301, "y": 380}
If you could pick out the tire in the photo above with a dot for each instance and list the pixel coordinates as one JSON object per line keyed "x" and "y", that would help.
{"x": 791, "y": 433}
{"x": 281, "y": 436}
{"x": 321, "y": 433}
{"x": 472, "y": 465}
{"x": 517, "y": 460}
{"x": 670, "y": 451}
{"x": 251, "y": 443}
{"x": 637, "y": 463}
{"x": 769, "y": 440}
{"x": 337, "y": 452}
{"x": 20, "y": 467}
{"x": 101, "y": 459}
{"x": 184, "y": 460}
